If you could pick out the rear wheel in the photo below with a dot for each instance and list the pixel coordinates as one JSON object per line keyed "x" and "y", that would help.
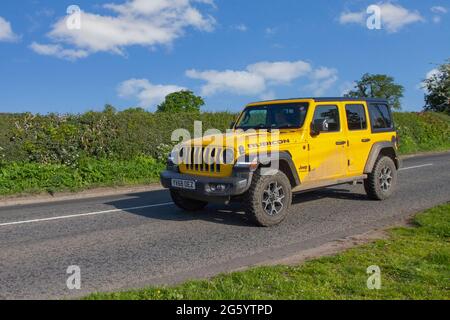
{"x": 268, "y": 199}
{"x": 381, "y": 182}
{"x": 187, "y": 204}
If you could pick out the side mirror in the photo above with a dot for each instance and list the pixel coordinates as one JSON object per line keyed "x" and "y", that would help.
{"x": 316, "y": 127}
{"x": 232, "y": 124}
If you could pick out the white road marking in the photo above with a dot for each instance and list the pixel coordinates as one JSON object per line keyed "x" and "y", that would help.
{"x": 132, "y": 208}
{"x": 84, "y": 214}
{"x": 416, "y": 167}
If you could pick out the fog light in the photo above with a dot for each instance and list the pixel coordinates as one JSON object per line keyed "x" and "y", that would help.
{"x": 218, "y": 187}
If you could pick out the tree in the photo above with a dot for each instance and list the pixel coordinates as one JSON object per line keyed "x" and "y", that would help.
{"x": 378, "y": 86}
{"x": 109, "y": 109}
{"x": 182, "y": 101}
{"x": 437, "y": 86}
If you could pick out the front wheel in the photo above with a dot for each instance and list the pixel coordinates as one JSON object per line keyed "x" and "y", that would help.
{"x": 187, "y": 204}
{"x": 269, "y": 198}
{"x": 381, "y": 182}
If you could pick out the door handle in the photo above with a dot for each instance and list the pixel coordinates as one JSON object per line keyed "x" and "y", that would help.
{"x": 340, "y": 143}
{"x": 365, "y": 140}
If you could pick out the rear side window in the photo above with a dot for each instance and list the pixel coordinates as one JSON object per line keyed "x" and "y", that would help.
{"x": 356, "y": 117}
{"x": 380, "y": 117}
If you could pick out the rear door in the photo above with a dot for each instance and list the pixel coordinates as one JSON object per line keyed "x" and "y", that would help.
{"x": 358, "y": 136}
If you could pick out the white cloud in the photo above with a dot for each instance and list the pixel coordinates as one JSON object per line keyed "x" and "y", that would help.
{"x": 430, "y": 74}
{"x": 271, "y": 31}
{"x": 240, "y": 27}
{"x": 352, "y": 17}
{"x": 58, "y": 51}
{"x": 269, "y": 95}
{"x": 148, "y": 94}
{"x": 434, "y": 72}
{"x": 322, "y": 79}
{"x": 258, "y": 78}
{"x": 237, "y": 82}
{"x": 134, "y": 22}
{"x": 394, "y": 17}
{"x": 280, "y": 72}
{"x": 439, "y": 9}
{"x": 346, "y": 87}
{"x": 6, "y": 32}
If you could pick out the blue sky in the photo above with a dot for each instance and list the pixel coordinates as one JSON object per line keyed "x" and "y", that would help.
{"x": 132, "y": 53}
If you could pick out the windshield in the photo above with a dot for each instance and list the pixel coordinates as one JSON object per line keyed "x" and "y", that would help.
{"x": 281, "y": 116}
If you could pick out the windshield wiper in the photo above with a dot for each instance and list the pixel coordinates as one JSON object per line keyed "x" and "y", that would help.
{"x": 260, "y": 127}
{"x": 290, "y": 126}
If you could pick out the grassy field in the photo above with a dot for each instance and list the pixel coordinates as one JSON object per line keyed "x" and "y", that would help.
{"x": 414, "y": 263}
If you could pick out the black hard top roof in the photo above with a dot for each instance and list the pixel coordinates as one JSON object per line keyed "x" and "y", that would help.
{"x": 328, "y": 99}
{"x": 350, "y": 99}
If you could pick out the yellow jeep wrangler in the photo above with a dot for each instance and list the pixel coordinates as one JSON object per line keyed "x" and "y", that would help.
{"x": 278, "y": 148}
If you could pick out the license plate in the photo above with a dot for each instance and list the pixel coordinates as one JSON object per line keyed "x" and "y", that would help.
{"x": 183, "y": 184}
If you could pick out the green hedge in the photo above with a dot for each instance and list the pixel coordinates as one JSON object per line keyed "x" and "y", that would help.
{"x": 63, "y": 139}
{"x": 421, "y": 132}
{"x": 72, "y": 152}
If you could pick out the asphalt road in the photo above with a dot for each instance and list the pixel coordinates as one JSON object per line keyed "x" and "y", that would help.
{"x": 136, "y": 240}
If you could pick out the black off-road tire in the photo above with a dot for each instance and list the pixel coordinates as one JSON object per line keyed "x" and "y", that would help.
{"x": 187, "y": 204}
{"x": 375, "y": 184}
{"x": 253, "y": 200}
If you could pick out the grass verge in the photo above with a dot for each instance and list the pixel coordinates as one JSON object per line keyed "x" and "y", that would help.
{"x": 414, "y": 263}
{"x": 20, "y": 178}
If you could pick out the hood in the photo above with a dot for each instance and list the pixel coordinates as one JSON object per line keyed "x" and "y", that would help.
{"x": 248, "y": 142}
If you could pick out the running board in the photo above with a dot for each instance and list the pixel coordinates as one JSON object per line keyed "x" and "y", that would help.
{"x": 326, "y": 183}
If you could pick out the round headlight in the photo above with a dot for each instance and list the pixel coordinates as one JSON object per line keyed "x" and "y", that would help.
{"x": 174, "y": 156}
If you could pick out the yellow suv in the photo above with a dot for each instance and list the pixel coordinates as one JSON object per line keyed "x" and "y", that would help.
{"x": 278, "y": 148}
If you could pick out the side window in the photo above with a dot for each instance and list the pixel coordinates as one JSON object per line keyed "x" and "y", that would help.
{"x": 356, "y": 117}
{"x": 380, "y": 117}
{"x": 327, "y": 118}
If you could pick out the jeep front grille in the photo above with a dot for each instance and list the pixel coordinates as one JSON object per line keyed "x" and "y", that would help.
{"x": 194, "y": 159}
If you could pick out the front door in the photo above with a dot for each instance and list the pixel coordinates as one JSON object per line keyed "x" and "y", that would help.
{"x": 327, "y": 149}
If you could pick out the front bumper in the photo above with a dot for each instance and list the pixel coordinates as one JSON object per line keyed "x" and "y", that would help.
{"x": 235, "y": 185}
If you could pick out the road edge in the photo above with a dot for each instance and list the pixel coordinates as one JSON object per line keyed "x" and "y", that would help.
{"x": 116, "y": 191}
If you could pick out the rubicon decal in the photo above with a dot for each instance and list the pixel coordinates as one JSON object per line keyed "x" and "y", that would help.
{"x": 268, "y": 143}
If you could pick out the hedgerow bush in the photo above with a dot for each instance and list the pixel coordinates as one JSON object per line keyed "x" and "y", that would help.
{"x": 426, "y": 131}
{"x": 63, "y": 139}
{"x": 71, "y": 152}
{"x": 125, "y": 135}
